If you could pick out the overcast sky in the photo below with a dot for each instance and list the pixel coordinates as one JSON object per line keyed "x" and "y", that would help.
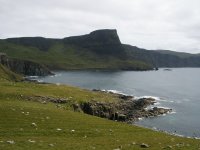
{"x": 151, "y": 24}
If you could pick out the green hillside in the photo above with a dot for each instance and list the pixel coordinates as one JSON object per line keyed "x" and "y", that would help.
{"x": 100, "y": 49}
{"x": 7, "y": 75}
{"x": 27, "y": 124}
{"x": 95, "y": 52}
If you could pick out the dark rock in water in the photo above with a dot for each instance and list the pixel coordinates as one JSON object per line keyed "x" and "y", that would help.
{"x": 144, "y": 102}
{"x": 167, "y": 69}
{"x": 156, "y": 69}
{"x": 125, "y": 97}
{"x": 160, "y": 111}
{"x": 24, "y": 67}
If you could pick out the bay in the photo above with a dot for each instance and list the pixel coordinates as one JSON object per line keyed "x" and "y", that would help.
{"x": 178, "y": 89}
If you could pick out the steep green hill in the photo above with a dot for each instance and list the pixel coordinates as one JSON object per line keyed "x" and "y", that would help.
{"x": 97, "y": 50}
{"x": 100, "y": 49}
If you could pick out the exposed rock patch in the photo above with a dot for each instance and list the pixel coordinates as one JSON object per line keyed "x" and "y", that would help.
{"x": 45, "y": 99}
{"x": 127, "y": 109}
{"x": 24, "y": 67}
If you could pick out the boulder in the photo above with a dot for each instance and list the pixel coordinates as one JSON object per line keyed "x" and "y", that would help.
{"x": 143, "y": 145}
{"x": 144, "y": 102}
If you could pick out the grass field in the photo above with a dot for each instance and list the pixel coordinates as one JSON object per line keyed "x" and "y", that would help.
{"x": 32, "y": 125}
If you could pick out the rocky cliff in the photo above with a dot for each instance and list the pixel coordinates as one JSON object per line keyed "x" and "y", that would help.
{"x": 100, "y": 49}
{"x": 102, "y": 42}
{"x": 24, "y": 67}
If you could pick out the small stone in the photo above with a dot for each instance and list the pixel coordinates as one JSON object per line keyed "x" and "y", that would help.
{"x": 72, "y": 130}
{"x": 92, "y": 147}
{"x": 43, "y": 102}
{"x": 31, "y": 141}
{"x": 143, "y": 145}
{"x": 34, "y": 124}
{"x": 133, "y": 143}
{"x": 58, "y": 129}
{"x": 11, "y": 142}
{"x": 52, "y": 145}
{"x": 168, "y": 147}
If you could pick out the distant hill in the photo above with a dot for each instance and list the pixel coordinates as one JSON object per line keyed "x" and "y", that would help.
{"x": 163, "y": 58}
{"x": 179, "y": 54}
{"x": 100, "y": 49}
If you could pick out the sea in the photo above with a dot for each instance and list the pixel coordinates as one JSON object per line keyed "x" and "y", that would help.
{"x": 176, "y": 88}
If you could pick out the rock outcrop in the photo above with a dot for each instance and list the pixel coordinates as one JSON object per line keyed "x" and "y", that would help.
{"x": 127, "y": 109}
{"x": 45, "y": 99}
{"x": 23, "y": 66}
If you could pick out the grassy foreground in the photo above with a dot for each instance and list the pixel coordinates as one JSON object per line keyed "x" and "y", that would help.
{"x": 33, "y": 125}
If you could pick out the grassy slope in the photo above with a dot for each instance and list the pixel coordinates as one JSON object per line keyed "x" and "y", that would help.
{"x": 6, "y": 74}
{"x": 61, "y": 56}
{"x": 90, "y": 132}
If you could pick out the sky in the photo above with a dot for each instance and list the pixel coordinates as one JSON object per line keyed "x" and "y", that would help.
{"x": 151, "y": 24}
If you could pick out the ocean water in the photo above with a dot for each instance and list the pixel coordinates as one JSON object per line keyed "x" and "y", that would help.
{"x": 178, "y": 89}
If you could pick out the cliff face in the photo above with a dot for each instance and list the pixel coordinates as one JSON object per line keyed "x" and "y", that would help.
{"x": 24, "y": 67}
{"x": 161, "y": 59}
{"x": 100, "y": 49}
{"x": 101, "y": 42}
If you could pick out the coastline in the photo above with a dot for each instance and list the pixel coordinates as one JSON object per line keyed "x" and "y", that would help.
{"x": 157, "y": 100}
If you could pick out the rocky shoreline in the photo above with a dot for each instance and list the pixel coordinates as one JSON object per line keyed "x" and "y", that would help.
{"x": 128, "y": 109}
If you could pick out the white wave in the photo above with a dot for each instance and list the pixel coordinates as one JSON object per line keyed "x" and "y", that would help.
{"x": 33, "y": 76}
{"x": 172, "y": 112}
{"x": 140, "y": 118}
{"x": 153, "y": 97}
{"x": 157, "y": 99}
{"x": 114, "y": 91}
{"x": 154, "y": 128}
{"x": 58, "y": 75}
